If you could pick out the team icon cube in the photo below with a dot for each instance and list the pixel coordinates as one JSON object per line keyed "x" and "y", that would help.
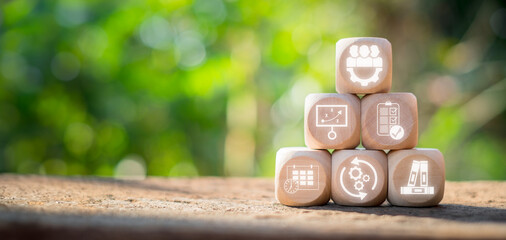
{"x": 359, "y": 177}
{"x": 363, "y": 65}
{"x": 389, "y": 121}
{"x": 384, "y": 121}
{"x": 416, "y": 177}
{"x": 332, "y": 121}
{"x": 302, "y": 176}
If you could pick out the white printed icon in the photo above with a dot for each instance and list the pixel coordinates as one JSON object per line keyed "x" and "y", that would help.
{"x": 332, "y": 116}
{"x": 389, "y": 120}
{"x": 364, "y": 57}
{"x": 356, "y": 174}
{"x": 302, "y": 177}
{"x": 419, "y": 169}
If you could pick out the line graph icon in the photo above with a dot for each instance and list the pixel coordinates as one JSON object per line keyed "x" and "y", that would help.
{"x": 332, "y": 116}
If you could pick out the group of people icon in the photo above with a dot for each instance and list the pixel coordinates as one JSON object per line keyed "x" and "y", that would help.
{"x": 364, "y": 56}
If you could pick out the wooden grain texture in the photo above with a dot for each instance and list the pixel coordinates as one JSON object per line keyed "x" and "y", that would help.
{"x": 354, "y": 66}
{"x": 229, "y": 208}
{"x": 409, "y": 184}
{"x": 323, "y": 130}
{"x": 363, "y": 174}
{"x": 302, "y": 176}
{"x": 389, "y": 121}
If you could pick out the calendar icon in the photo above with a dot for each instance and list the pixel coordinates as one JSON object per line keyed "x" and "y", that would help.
{"x": 388, "y": 115}
{"x": 307, "y": 176}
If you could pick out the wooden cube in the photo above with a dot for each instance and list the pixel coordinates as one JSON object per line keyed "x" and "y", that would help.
{"x": 363, "y": 65}
{"x": 389, "y": 121}
{"x": 359, "y": 177}
{"x": 332, "y": 121}
{"x": 416, "y": 177}
{"x": 302, "y": 176}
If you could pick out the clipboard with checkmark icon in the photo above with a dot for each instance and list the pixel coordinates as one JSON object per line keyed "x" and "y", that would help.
{"x": 388, "y": 116}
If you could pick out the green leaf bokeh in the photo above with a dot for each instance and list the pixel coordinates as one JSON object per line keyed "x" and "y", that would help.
{"x": 215, "y": 87}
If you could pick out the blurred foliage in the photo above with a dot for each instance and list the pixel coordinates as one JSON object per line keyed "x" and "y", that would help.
{"x": 212, "y": 87}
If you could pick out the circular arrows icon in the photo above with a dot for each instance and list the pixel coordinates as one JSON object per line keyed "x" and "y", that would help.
{"x": 360, "y": 194}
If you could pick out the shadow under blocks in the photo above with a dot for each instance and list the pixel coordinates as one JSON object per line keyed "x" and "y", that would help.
{"x": 453, "y": 212}
{"x": 332, "y": 167}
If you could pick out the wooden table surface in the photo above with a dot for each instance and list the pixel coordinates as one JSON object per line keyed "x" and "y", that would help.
{"x": 231, "y": 208}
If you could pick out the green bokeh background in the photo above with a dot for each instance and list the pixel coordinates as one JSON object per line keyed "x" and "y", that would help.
{"x": 211, "y": 87}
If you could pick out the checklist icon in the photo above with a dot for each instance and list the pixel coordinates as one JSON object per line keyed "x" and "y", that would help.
{"x": 388, "y": 116}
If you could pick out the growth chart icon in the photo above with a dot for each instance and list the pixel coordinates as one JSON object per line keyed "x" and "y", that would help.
{"x": 389, "y": 120}
{"x": 419, "y": 169}
{"x": 332, "y": 116}
{"x": 302, "y": 177}
{"x": 364, "y": 58}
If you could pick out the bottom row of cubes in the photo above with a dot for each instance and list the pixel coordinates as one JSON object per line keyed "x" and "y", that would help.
{"x": 359, "y": 177}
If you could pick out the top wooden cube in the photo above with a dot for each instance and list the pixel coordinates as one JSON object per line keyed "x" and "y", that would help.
{"x": 363, "y": 65}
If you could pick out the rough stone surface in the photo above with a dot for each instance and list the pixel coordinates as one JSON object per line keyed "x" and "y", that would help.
{"x": 231, "y": 208}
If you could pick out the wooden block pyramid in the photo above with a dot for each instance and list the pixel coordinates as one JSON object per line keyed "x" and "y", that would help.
{"x": 406, "y": 176}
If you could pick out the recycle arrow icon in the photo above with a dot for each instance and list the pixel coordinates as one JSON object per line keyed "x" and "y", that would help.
{"x": 360, "y": 195}
{"x": 357, "y": 162}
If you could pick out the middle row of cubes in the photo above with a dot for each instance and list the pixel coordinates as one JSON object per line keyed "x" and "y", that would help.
{"x": 385, "y": 120}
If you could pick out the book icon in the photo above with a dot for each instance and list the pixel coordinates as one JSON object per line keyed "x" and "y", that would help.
{"x": 419, "y": 170}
